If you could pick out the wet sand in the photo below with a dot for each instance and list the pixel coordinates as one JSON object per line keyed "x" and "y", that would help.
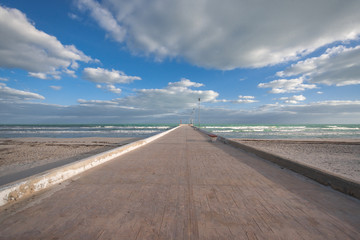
{"x": 338, "y": 156}
{"x": 23, "y": 157}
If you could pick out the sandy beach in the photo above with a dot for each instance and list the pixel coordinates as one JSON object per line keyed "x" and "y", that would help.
{"x": 338, "y": 156}
{"x": 23, "y": 157}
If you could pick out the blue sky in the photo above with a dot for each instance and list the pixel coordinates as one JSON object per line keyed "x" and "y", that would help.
{"x": 88, "y": 61}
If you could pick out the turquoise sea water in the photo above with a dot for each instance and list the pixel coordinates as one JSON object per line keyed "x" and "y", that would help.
{"x": 82, "y": 130}
{"x": 305, "y": 131}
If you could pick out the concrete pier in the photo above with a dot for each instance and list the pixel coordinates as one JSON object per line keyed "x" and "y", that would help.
{"x": 183, "y": 186}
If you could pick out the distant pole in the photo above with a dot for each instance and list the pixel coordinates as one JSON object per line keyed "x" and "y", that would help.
{"x": 199, "y": 113}
{"x": 192, "y": 116}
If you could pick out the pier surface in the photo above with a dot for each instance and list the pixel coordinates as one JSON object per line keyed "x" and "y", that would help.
{"x": 182, "y": 186}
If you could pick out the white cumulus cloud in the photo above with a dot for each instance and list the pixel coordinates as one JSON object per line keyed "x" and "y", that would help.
{"x": 287, "y": 85}
{"x": 101, "y": 75}
{"x": 226, "y": 34}
{"x": 176, "y": 96}
{"x": 110, "y": 88}
{"x": 184, "y": 83}
{"x": 338, "y": 66}
{"x": 8, "y": 94}
{"x": 38, "y": 75}
{"x": 107, "y": 77}
{"x": 25, "y": 47}
{"x": 245, "y": 99}
{"x": 293, "y": 100}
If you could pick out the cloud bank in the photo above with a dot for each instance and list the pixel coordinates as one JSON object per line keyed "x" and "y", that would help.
{"x": 92, "y": 111}
{"x": 228, "y": 34}
{"x": 170, "y": 104}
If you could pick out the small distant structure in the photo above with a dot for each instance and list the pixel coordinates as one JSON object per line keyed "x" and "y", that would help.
{"x": 213, "y": 137}
{"x": 199, "y": 113}
{"x": 186, "y": 124}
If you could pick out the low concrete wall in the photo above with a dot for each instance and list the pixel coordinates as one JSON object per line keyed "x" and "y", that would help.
{"x": 338, "y": 183}
{"x": 28, "y": 186}
{"x": 204, "y": 132}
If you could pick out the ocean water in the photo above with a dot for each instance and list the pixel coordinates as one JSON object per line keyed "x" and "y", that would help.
{"x": 142, "y": 131}
{"x": 306, "y": 131}
{"x": 84, "y": 130}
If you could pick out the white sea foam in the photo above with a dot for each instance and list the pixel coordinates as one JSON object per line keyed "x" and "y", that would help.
{"x": 287, "y": 131}
{"x": 342, "y": 128}
{"x": 81, "y": 130}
